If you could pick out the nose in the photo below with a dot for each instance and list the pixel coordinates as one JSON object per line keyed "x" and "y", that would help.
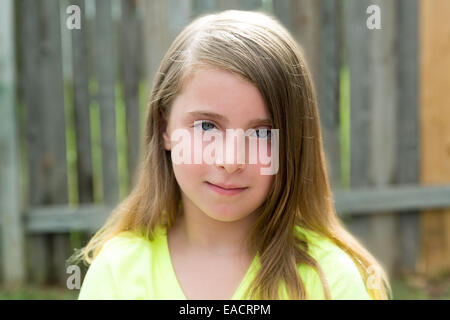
{"x": 230, "y": 168}
{"x": 234, "y": 156}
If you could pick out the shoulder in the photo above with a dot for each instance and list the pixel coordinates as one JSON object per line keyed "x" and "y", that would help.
{"x": 125, "y": 244}
{"x": 129, "y": 251}
{"x": 343, "y": 276}
{"x": 122, "y": 269}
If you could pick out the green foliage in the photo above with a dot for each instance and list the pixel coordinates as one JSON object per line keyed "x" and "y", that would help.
{"x": 38, "y": 293}
{"x": 403, "y": 289}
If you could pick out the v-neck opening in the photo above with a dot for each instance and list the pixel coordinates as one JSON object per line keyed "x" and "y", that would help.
{"x": 176, "y": 282}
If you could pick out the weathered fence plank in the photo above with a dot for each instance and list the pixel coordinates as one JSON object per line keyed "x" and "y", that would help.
{"x": 11, "y": 229}
{"x": 328, "y": 85}
{"x": 302, "y": 18}
{"x": 37, "y": 250}
{"x": 383, "y": 135}
{"x": 59, "y": 218}
{"x": 407, "y": 170}
{"x": 180, "y": 14}
{"x": 356, "y": 47}
{"x": 106, "y": 76}
{"x": 238, "y": 4}
{"x": 156, "y": 35}
{"x": 81, "y": 105}
{"x": 43, "y": 90}
{"x": 81, "y": 108}
{"x": 435, "y": 131}
{"x": 200, "y": 7}
{"x": 54, "y": 134}
{"x": 53, "y": 103}
{"x": 130, "y": 60}
{"x": 363, "y": 201}
{"x": 373, "y": 85}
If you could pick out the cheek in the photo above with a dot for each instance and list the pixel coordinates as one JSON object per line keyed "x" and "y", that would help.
{"x": 261, "y": 183}
{"x": 259, "y": 151}
{"x": 188, "y": 174}
{"x": 265, "y": 181}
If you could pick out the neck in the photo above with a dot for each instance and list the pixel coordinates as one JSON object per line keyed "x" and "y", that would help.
{"x": 200, "y": 232}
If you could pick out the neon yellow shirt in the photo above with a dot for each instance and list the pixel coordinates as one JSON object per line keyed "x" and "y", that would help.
{"x": 131, "y": 267}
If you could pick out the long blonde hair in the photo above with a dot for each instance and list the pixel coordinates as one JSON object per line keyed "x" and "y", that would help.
{"x": 257, "y": 47}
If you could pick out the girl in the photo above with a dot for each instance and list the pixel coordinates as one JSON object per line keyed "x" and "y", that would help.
{"x": 224, "y": 230}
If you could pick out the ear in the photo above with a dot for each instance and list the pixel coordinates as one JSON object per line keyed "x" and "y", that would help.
{"x": 165, "y": 134}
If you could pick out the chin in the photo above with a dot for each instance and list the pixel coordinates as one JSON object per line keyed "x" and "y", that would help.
{"x": 224, "y": 218}
{"x": 226, "y": 214}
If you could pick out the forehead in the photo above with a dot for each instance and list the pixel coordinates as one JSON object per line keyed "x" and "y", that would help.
{"x": 223, "y": 92}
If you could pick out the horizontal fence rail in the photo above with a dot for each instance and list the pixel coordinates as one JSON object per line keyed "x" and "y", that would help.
{"x": 403, "y": 198}
{"x": 60, "y": 218}
{"x": 63, "y": 218}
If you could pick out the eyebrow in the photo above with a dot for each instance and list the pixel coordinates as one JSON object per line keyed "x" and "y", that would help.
{"x": 217, "y": 116}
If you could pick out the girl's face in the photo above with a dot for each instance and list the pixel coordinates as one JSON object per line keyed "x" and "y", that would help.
{"x": 215, "y": 100}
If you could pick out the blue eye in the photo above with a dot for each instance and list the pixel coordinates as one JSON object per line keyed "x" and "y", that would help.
{"x": 263, "y": 133}
{"x": 205, "y": 125}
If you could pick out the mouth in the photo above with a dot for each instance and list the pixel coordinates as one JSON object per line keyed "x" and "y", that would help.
{"x": 225, "y": 189}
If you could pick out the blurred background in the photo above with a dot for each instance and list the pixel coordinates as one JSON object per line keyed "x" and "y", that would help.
{"x": 73, "y": 101}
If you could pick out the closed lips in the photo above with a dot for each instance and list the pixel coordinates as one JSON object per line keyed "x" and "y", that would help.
{"x": 226, "y": 187}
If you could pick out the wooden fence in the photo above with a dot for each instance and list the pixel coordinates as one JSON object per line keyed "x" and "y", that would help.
{"x": 70, "y": 138}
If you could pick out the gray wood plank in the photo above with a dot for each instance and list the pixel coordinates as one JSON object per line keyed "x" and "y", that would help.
{"x": 105, "y": 71}
{"x": 372, "y": 97}
{"x": 82, "y": 65}
{"x": 201, "y": 7}
{"x": 53, "y": 103}
{"x": 383, "y": 126}
{"x": 156, "y": 35}
{"x": 367, "y": 200}
{"x": 130, "y": 61}
{"x": 81, "y": 108}
{"x": 180, "y": 14}
{"x": 54, "y": 125}
{"x": 328, "y": 86}
{"x": 62, "y": 218}
{"x": 282, "y": 10}
{"x": 238, "y": 4}
{"x": 407, "y": 128}
{"x": 61, "y": 250}
{"x": 36, "y": 246}
{"x": 302, "y": 19}
{"x": 43, "y": 88}
{"x": 12, "y": 236}
{"x": 356, "y": 48}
